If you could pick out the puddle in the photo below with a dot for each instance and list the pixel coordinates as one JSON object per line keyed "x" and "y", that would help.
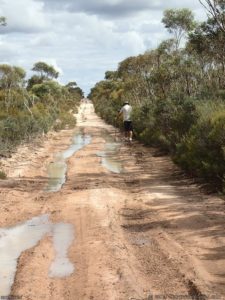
{"x": 63, "y": 235}
{"x": 110, "y": 156}
{"x": 58, "y": 168}
{"x": 15, "y": 240}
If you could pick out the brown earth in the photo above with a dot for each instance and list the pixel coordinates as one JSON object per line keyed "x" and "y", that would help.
{"x": 146, "y": 231}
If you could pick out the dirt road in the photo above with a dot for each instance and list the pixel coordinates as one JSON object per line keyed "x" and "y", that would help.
{"x": 126, "y": 224}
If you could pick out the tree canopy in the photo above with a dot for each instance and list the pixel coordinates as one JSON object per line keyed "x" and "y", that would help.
{"x": 216, "y": 9}
{"x": 3, "y": 21}
{"x": 45, "y": 71}
{"x": 178, "y": 22}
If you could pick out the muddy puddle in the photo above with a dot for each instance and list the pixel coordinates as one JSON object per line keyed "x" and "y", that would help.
{"x": 63, "y": 235}
{"x": 58, "y": 167}
{"x": 110, "y": 155}
{"x": 24, "y": 236}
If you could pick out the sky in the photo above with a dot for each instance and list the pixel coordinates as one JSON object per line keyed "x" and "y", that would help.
{"x": 83, "y": 38}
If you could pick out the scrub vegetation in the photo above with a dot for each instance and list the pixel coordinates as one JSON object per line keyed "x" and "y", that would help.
{"x": 34, "y": 106}
{"x": 178, "y": 92}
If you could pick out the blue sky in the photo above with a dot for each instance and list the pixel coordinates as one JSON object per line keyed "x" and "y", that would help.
{"x": 83, "y": 38}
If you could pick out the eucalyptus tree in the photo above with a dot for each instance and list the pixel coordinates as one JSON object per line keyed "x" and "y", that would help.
{"x": 71, "y": 85}
{"x": 178, "y": 22}
{"x": 208, "y": 42}
{"x": 216, "y": 9}
{"x": 45, "y": 70}
{"x": 11, "y": 76}
{"x": 33, "y": 80}
{"x": 3, "y": 21}
{"x": 73, "y": 88}
{"x": 12, "y": 82}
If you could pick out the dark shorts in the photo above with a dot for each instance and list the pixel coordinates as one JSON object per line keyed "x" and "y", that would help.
{"x": 128, "y": 126}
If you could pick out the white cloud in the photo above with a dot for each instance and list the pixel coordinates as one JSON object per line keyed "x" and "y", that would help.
{"x": 83, "y": 43}
{"x": 23, "y": 15}
{"x": 117, "y": 8}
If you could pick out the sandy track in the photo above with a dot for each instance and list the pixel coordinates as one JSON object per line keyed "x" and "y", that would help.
{"x": 145, "y": 231}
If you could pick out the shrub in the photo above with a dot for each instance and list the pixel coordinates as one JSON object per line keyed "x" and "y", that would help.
{"x": 3, "y": 175}
{"x": 66, "y": 119}
{"x": 202, "y": 151}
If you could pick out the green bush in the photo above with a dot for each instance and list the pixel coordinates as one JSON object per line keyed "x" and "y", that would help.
{"x": 2, "y": 175}
{"x": 65, "y": 119}
{"x": 202, "y": 151}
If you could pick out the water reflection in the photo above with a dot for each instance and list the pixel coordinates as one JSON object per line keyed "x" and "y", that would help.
{"x": 15, "y": 240}
{"x": 58, "y": 168}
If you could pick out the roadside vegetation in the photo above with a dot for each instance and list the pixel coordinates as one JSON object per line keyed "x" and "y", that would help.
{"x": 178, "y": 92}
{"x": 2, "y": 175}
{"x": 32, "y": 107}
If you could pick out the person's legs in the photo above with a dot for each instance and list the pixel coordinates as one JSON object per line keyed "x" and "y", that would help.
{"x": 126, "y": 133}
{"x": 128, "y": 130}
{"x": 130, "y": 135}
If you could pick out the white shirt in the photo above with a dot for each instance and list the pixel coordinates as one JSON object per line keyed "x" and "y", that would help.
{"x": 126, "y": 110}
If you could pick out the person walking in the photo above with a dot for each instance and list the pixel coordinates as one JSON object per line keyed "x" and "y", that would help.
{"x": 126, "y": 112}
